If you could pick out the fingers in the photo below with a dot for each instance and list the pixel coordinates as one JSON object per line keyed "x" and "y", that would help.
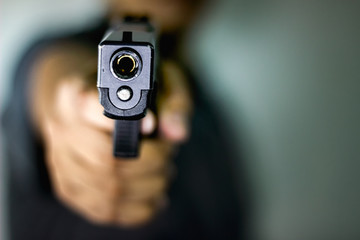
{"x": 92, "y": 111}
{"x": 175, "y": 104}
{"x": 91, "y": 140}
{"x": 111, "y": 195}
{"x": 148, "y": 123}
{"x": 154, "y": 158}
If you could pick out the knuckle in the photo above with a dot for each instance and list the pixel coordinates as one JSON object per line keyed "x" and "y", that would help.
{"x": 134, "y": 214}
{"x": 154, "y": 157}
{"x": 95, "y": 206}
{"x": 144, "y": 189}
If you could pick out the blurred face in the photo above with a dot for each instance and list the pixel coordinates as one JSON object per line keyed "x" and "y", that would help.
{"x": 170, "y": 15}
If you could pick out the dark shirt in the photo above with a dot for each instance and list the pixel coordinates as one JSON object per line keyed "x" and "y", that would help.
{"x": 204, "y": 198}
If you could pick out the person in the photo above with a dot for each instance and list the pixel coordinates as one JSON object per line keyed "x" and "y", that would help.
{"x": 64, "y": 182}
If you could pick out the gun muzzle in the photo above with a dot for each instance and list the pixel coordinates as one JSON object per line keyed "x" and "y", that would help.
{"x": 126, "y": 64}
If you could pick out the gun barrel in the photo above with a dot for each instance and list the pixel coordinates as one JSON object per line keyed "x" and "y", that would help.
{"x": 126, "y": 64}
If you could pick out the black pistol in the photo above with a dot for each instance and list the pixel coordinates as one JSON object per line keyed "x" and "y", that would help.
{"x": 126, "y": 79}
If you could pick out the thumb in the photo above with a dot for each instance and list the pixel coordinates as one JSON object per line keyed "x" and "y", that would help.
{"x": 92, "y": 112}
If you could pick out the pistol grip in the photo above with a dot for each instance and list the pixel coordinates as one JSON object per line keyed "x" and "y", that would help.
{"x": 126, "y": 138}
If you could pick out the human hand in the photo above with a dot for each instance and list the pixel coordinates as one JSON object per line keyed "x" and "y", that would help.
{"x": 78, "y": 147}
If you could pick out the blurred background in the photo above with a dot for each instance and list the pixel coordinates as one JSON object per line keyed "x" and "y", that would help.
{"x": 285, "y": 73}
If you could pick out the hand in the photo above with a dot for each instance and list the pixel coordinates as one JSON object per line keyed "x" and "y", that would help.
{"x": 78, "y": 145}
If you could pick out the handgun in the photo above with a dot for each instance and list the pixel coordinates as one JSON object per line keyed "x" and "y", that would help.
{"x": 126, "y": 80}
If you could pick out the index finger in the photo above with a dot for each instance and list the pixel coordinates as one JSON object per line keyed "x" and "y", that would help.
{"x": 175, "y": 93}
{"x": 175, "y": 104}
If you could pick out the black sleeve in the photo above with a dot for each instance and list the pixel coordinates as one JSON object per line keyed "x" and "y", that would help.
{"x": 207, "y": 171}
